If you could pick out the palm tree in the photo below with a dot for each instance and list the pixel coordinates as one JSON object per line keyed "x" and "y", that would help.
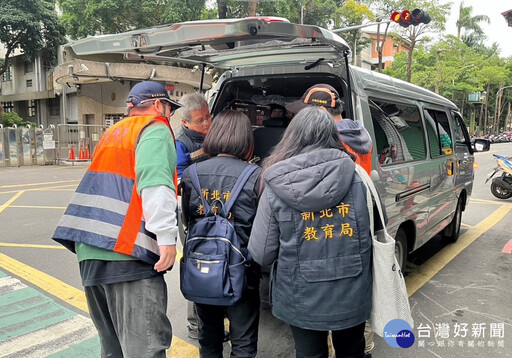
{"x": 468, "y": 22}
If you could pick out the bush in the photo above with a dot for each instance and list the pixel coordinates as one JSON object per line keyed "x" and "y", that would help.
{"x": 8, "y": 119}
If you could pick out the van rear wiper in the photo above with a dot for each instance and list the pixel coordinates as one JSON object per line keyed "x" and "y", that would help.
{"x": 314, "y": 64}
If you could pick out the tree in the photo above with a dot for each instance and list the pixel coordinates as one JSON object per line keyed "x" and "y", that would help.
{"x": 415, "y": 34}
{"x": 468, "y": 22}
{"x": 82, "y": 18}
{"x": 352, "y": 14}
{"x": 32, "y": 27}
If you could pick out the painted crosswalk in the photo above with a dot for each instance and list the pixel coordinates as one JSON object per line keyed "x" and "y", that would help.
{"x": 34, "y": 325}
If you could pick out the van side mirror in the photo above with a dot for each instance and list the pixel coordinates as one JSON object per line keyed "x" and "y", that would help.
{"x": 481, "y": 145}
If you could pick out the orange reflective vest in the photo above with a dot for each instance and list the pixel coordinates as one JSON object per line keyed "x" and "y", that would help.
{"x": 106, "y": 209}
{"x": 364, "y": 160}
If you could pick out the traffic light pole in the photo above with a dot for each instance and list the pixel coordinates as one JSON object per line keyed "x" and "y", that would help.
{"x": 345, "y": 29}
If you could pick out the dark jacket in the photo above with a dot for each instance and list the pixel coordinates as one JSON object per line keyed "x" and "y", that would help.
{"x": 313, "y": 219}
{"x": 187, "y": 142}
{"x": 221, "y": 173}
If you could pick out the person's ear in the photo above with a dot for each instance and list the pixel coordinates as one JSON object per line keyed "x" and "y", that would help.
{"x": 184, "y": 122}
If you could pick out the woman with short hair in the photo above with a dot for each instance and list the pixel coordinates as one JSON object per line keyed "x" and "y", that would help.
{"x": 312, "y": 225}
{"x": 230, "y": 143}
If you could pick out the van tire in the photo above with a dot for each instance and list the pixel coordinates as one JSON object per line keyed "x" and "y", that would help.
{"x": 451, "y": 232}
{"x": 401, "y": 248}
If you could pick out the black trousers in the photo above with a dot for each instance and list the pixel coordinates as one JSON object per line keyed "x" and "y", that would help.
{"x": 348, "y": 343}
{"x": 243, "y": 318}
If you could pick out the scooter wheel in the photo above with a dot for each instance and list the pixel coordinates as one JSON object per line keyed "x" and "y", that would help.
{"x": 499, "y": 192}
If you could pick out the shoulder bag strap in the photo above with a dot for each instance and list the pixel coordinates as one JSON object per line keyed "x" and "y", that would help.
{"x": 237, "y": 188}
{"x": 371, "y": 189}
{"x": 197, "y": 185}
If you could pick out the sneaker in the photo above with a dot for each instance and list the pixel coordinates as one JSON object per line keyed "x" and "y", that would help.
{"x": 368, "y": 355}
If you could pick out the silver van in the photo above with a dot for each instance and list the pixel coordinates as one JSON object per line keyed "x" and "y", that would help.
{"x": 422, "y": 160}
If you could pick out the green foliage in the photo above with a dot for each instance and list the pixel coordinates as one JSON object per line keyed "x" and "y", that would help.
{"x": 470, "y": 23}
{"x": 82, "y": 18}
{"x": 11, "y": 118}
{"x": 30, "y": 26}
{"x": 353, "y": 14}
{"x": 314, "y": 12}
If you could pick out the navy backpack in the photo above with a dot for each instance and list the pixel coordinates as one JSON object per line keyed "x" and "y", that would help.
{"x": 212, "y": 269}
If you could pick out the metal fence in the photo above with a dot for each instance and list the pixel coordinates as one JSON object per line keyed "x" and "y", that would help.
{"x": 76, "y": 142}
{"x": 21, "y": 146}
{"x": 68, "y": 144}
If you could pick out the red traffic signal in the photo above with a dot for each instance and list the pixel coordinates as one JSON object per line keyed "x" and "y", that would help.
{"x": 406, "y": 18}
{"x": 403, "y": 18}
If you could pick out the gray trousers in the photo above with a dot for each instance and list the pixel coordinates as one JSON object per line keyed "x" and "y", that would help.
{"x": 131, "y": 318}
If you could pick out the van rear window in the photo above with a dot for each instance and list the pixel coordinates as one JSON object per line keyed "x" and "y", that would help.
{"x": 399, "y": 134}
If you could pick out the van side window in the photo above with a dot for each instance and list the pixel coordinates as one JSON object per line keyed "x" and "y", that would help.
{"x": 399, "y": 133}
{"x": 438, "y": 131}
{"x": 458, "y": 130}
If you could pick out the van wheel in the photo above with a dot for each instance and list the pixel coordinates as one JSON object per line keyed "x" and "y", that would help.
{"x": 451, "y": 232}
{"x": 401, "y": 248}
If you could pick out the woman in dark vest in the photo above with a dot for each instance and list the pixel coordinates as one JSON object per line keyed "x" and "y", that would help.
{"x": 312, "y": 225}
{"x": 230, "y": 143}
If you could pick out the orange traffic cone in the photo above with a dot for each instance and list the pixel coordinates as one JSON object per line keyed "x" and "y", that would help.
{"x": 87, "y": 153}
{"x": 71, "y": 153}
{"x": 81, "y": 153}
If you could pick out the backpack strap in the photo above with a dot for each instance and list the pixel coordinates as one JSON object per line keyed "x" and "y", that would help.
{"x": 242, "y": 179}
{"x": 197, "y": 185}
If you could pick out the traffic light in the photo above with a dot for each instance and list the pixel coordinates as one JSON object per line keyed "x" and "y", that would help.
{"x": 419, "y": 16}
{"x": 406, "y": 18}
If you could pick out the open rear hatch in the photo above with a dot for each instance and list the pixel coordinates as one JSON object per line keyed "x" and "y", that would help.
{"x": 226, "y": 44}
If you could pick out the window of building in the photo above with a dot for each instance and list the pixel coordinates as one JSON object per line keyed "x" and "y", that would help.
{"x": 29, "y": 83}
{"x": 29, "y": 67}
{"x": 54, "y": 107}
{"x": 8, "y": 106}
{"x": 111, "y": 119}
{"x": 7, "y": 75}
{"x": 31, "y": 108}
{"x": 398, "y": 132}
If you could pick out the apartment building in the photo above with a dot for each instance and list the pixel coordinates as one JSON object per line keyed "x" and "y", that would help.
{"x": 27, "y": 88}
{"x": 369, "y": 55}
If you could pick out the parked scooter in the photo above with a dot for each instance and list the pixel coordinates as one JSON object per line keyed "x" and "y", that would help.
{"x": 501, "y": 187}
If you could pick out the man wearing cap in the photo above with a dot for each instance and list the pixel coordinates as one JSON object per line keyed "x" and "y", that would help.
{"x": 121, "y": 223}
{"x": 352, "y": 133}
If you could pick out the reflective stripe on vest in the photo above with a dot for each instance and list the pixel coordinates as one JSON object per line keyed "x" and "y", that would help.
{"x": 106, "y": 209}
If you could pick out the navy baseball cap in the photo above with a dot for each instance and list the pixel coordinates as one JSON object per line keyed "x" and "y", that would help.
{"x": 320, "y": 94}
{"x": 149, "y": 90}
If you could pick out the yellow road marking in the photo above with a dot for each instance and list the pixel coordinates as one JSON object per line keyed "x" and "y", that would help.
{"x": 415, "y": 280}
{"x": 11, "y": 200}
{"x": 492, "y": 202}
{"x": 36, "y": 184}
{"x": 63, "y": 187}
{"x": 33, "y": 246}
{"x": 37, "y": 207}
{"x": 75, "y": 297}
{"x": 62, "y": 290}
